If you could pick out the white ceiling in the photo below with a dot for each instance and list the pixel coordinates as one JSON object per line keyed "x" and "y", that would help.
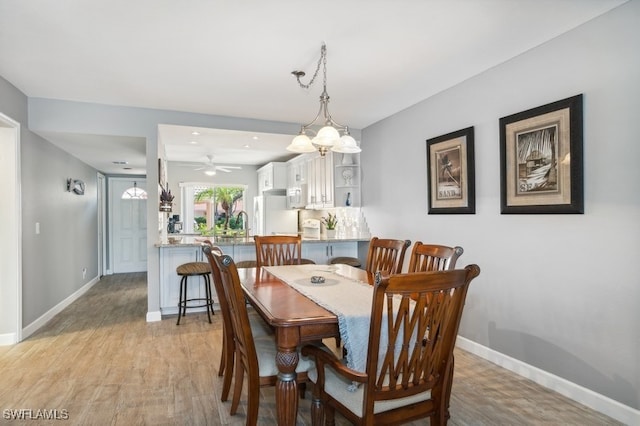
{"x": 234, "y": 58}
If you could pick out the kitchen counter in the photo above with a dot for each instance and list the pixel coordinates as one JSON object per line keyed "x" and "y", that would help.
{"x": 195, "y": 241}
{"x": 188, "y": 249}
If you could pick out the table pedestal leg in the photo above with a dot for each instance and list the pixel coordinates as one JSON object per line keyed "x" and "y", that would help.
{"x": 286, "y": 387}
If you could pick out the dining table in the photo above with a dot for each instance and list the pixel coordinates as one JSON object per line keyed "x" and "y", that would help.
{"x": 296, "y": 320}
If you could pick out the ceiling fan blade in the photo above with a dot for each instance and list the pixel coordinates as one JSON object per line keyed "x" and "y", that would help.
{"x": 227, "y": 169}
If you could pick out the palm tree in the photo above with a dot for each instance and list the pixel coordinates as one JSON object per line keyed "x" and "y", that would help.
{"x": 226, "y": 196}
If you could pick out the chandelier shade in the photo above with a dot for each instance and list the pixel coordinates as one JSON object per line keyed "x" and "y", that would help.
{"x": 329, "y": 136}
{"x": 301, "y": 144}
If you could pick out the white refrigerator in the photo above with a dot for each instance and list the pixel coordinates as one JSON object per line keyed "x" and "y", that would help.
{"x": 271, "y": 216}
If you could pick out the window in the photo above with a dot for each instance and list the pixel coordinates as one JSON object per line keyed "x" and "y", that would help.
{"x": 214, "y": 209}
{"x": 134, "y": 193}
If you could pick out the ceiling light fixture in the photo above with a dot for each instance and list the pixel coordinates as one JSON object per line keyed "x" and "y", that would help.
{"x": 328, "y": 137}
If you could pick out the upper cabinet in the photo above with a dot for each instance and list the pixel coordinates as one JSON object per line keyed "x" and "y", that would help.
{"x": 320, "y": 182}
{"x": 272, "y": 176}
{"x": 297, "y": 186}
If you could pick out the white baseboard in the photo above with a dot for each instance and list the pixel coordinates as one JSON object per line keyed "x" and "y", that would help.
{"x": 8, "y": 339}
{"x": 47, "y": 316}
{"x": 154, "y": 316}
{"x": 582, "y": 395}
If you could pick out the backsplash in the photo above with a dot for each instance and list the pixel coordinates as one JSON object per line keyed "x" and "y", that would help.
{"x": 351, "y": 221}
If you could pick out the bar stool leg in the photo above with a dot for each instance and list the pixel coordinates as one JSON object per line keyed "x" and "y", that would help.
{"x": 182, "y": 299}
{"x": 207, "y": 292}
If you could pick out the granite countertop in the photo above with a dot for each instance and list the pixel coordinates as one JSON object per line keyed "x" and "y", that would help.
{"x": 196, "y": 241}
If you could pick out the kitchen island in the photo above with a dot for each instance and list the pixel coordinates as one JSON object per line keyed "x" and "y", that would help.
{"x": 189, "y": 249}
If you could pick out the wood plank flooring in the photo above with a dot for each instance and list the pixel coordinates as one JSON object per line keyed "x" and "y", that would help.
{"x": 100, "y": 363}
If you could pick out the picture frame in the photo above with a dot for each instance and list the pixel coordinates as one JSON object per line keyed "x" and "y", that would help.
{"x": 541, "y": 159}
{"x": 451, "y": 173}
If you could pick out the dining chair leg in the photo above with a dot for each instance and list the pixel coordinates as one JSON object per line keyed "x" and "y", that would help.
{"x": 317, "y": 411}
{"x": 223, "y": 357}
{"x": 237, "y": 388}
{"x": 253, "y": 404}
{"x": 329, "y": 415}
{"x": 229, "y": 359}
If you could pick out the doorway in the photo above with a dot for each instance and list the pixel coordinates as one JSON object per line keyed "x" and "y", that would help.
{"x": 128, "y": 225}
{"x": 10, "y": 243}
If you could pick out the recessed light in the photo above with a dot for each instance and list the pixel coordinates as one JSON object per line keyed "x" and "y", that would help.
{"x": 195, "y": 133}
{"x": 255, "y": 138}
{"x": 120, "y": 162}
{"x": 247, "y": 146}
{"x": 193, "y": 142}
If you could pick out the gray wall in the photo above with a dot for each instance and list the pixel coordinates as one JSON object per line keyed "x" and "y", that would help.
{"x": 52, "y": 261}
{"x": 559, "y": 292}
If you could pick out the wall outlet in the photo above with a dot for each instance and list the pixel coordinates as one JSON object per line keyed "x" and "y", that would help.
{"x": 84, "y": 273}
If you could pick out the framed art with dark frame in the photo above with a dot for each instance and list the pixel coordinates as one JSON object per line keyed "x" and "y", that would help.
{"x": 541, "y": 159}
{"x": 451, "y": 173}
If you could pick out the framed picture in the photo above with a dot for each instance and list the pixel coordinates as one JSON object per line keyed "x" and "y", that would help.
{"x": 451, "y": 173}
{"x": 541, "y": 159}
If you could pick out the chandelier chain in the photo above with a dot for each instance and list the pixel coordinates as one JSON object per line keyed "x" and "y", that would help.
{"x": 322, "y": 60}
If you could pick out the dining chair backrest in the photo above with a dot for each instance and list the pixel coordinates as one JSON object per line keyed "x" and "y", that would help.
{"x": 409, "y": 354}
{"x": 228, "y": 346}
{"x": 421, "y": 336}
{"x": 238, "y": 309}
{"x": 273, "y": 250}
{"x": 433, "y": 257}
{"x": 386, "y": 255}
{"x": 245, "y": 350}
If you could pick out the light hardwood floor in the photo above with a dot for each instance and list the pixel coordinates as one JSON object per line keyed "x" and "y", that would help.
{"x": 99, "y": 362}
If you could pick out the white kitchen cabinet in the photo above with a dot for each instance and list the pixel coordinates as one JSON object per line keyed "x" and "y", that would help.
{"x": 322, "y": 252}
{"x": 320, "y": 177}
{"x": 297, "y": 182}
{"x": 170, "y": 259}
{"x": 272, "y": 176}
{"x": 244, "y": 252}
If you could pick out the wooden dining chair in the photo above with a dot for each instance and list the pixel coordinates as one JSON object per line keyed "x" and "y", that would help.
{"x": 404, "y": 379}
{"x": 254, "y": 356}
{"x": 258, "y": 326}
{"x": 386, "y": 255}
{"x": 272, "y": 250}
{"x": 433, "y": 257}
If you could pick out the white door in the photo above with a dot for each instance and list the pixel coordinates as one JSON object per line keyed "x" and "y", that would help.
{"x": 128, "y": 219}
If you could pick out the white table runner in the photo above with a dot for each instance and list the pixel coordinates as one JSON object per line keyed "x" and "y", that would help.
{"x": 350, "y": 300}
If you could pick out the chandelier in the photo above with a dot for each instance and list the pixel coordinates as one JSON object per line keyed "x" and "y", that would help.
{"x": 328, "y": 137}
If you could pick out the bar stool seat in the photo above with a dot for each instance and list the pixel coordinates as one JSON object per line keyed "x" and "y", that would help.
{"x": 194, "y": 269}
{"x": 351, "y": 261}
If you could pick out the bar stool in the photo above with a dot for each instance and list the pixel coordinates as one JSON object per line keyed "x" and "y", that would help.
{"x": 351, "y": 261}
{"x": 194, "y": 269}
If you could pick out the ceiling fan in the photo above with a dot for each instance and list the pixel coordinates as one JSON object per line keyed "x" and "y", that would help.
{"x": 210, "y": 168}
